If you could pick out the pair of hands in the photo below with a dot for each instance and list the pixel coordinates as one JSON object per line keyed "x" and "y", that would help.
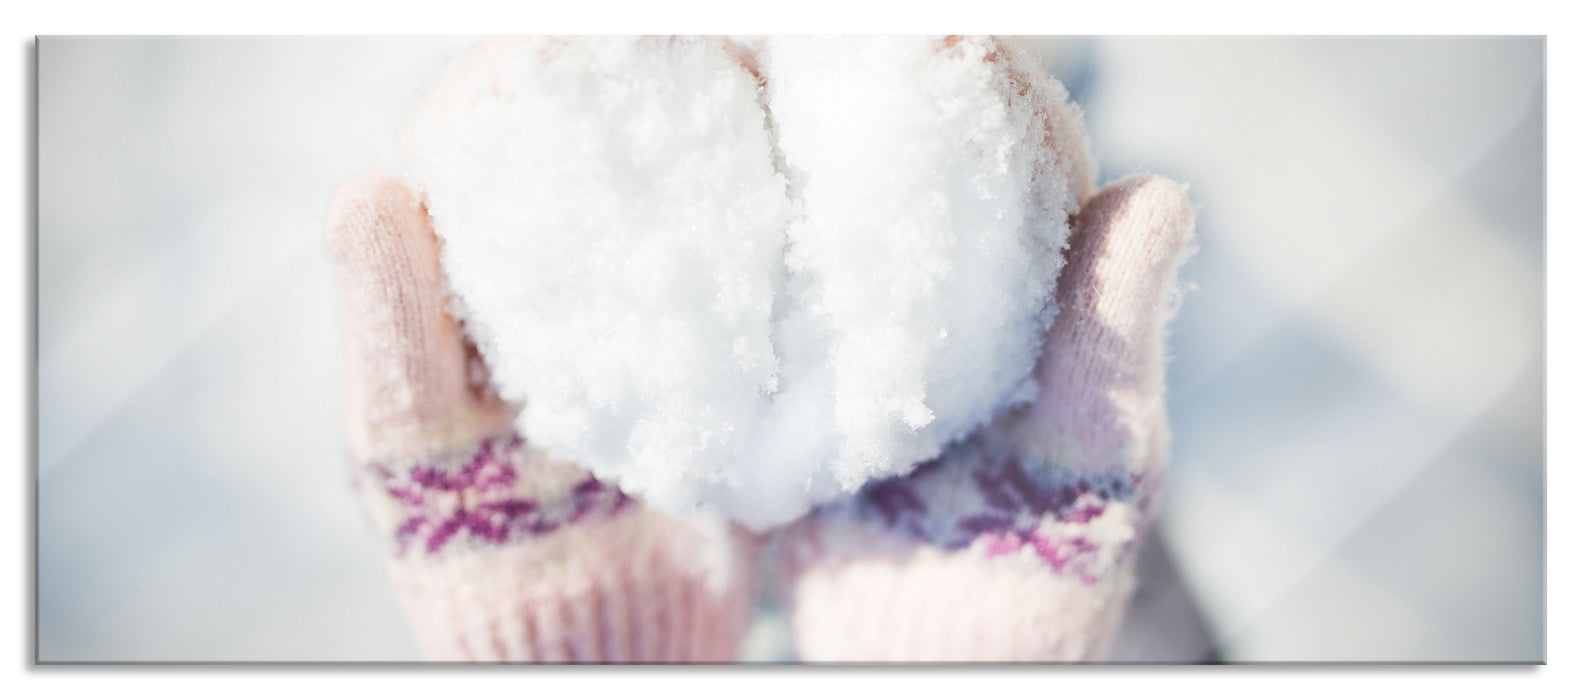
{"x": 1015, "y": 544}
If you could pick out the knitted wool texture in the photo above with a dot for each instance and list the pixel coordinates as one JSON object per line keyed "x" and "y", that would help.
{"x": 496, "y": 553}
{"x": 1018, "y": 545}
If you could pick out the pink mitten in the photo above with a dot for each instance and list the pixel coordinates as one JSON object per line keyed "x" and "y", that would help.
{"x": 497, "y": 553}
{"x": 1017, "y": 544}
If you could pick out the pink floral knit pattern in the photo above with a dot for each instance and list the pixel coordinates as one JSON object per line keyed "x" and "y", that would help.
{"x": 979, "y": 496}
{"x": 479, "y": 499}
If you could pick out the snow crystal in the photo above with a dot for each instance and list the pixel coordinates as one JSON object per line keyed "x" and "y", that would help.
{"x": 748, "y": 279}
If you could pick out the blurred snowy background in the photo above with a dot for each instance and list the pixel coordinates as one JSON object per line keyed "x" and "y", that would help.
{"x": 1356, "y": 390}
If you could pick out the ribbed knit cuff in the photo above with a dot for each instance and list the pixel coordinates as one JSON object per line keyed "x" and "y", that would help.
{"x": 641, "y": 588}
{"x": 927, "y": 604}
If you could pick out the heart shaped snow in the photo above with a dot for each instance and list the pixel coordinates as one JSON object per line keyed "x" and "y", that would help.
{"x": 749, "y": 279}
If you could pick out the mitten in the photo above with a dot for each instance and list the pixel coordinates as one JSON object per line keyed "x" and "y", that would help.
{"x": 497, "y": 552}
{"x": 1017, "y": 544}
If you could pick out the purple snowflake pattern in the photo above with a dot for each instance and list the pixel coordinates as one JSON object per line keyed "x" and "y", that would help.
{"x": 478, "y": 501}
{"x": 974, "y": 495}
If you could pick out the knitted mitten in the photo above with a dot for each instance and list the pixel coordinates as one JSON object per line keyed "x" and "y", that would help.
{"x": 497, "y": 553}
{"x": 1017, "y": 543}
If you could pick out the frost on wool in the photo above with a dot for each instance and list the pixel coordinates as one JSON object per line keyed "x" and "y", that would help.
{"x": 750, "y": 291}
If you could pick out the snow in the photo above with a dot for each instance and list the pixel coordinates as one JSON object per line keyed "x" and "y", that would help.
{"x": 747, "y": 291}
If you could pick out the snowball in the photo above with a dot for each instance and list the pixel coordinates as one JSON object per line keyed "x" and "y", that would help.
{"x": 749, "y": 295}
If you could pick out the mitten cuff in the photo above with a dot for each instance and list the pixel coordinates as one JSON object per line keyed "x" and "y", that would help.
{"x": 641, "y": 588}
{"x": 930, "y": 604}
